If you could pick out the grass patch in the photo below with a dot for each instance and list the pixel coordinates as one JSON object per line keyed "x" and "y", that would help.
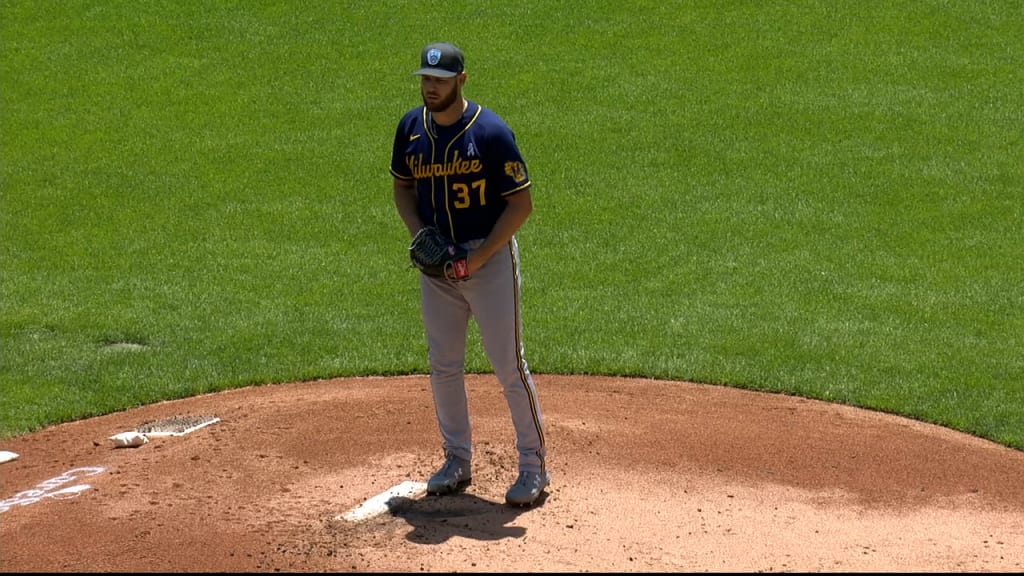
{"x": 810, "y": 198}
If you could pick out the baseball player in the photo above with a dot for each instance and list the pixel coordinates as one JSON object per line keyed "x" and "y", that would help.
{"x": 456, "y": 166}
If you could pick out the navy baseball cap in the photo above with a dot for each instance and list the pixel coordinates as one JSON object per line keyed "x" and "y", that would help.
{"x": 440, "y": 59}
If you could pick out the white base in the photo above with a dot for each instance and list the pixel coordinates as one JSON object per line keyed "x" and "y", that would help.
{"x": 379, "y": 503}
{"x": 183, "y": 432}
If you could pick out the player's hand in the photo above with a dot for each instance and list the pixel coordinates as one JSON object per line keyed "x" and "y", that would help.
{"x": 472, "y": 264}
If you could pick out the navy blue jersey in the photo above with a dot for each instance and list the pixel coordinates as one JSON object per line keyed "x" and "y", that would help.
{"x": 463, "y": 172}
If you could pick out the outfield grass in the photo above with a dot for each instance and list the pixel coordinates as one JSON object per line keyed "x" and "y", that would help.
{"x": 811, "y": 198}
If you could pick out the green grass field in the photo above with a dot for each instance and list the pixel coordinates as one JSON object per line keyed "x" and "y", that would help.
{"x": 810, "y": 198}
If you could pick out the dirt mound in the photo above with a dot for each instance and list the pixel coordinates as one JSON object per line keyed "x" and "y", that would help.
{"x": 647, "y": 475}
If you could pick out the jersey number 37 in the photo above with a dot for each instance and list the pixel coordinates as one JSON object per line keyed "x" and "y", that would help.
{"x": 464, "y": 193}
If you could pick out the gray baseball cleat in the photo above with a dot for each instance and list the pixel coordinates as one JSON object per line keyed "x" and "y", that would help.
{"x": 527, "y": 488}
{"x": 453, "y": 475}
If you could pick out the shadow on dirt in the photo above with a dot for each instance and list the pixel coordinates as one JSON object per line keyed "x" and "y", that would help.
{"x": 435, "y": 519}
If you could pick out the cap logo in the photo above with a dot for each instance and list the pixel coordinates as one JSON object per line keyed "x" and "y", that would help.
{"x": 433, "y": 56}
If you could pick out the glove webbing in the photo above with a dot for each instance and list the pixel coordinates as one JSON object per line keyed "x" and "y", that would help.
{"x": 433, "y": 251}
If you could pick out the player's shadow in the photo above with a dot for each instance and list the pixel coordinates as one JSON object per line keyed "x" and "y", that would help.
{"x": 435, "y": 519}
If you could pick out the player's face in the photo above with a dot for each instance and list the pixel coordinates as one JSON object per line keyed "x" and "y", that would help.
{"x": 440, "y": 94}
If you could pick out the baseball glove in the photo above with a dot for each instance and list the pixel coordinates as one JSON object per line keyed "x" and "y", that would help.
{"x": 438, "y": 256}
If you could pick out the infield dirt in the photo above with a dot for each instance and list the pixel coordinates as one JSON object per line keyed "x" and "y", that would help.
{"x": 647, "y": 476}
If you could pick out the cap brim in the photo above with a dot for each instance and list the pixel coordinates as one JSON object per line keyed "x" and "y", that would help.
{"x": 439, "y": 72}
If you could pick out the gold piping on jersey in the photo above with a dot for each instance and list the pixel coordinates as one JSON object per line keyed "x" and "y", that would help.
{"x": 435, "y": 170}
{"x": 517, "y": 189}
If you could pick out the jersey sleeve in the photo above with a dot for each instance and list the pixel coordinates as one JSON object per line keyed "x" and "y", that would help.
{"x": 508, "y": 168}
{"x": 403, "y": 137}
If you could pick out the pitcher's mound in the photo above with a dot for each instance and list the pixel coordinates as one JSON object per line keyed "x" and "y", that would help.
{"x": 647, "y": 475}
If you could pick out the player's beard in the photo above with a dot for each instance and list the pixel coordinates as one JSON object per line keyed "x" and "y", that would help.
{"x": 445, "y": 103}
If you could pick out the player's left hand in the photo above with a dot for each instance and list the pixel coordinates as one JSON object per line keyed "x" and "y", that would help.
{"x": 437, "y": 256}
